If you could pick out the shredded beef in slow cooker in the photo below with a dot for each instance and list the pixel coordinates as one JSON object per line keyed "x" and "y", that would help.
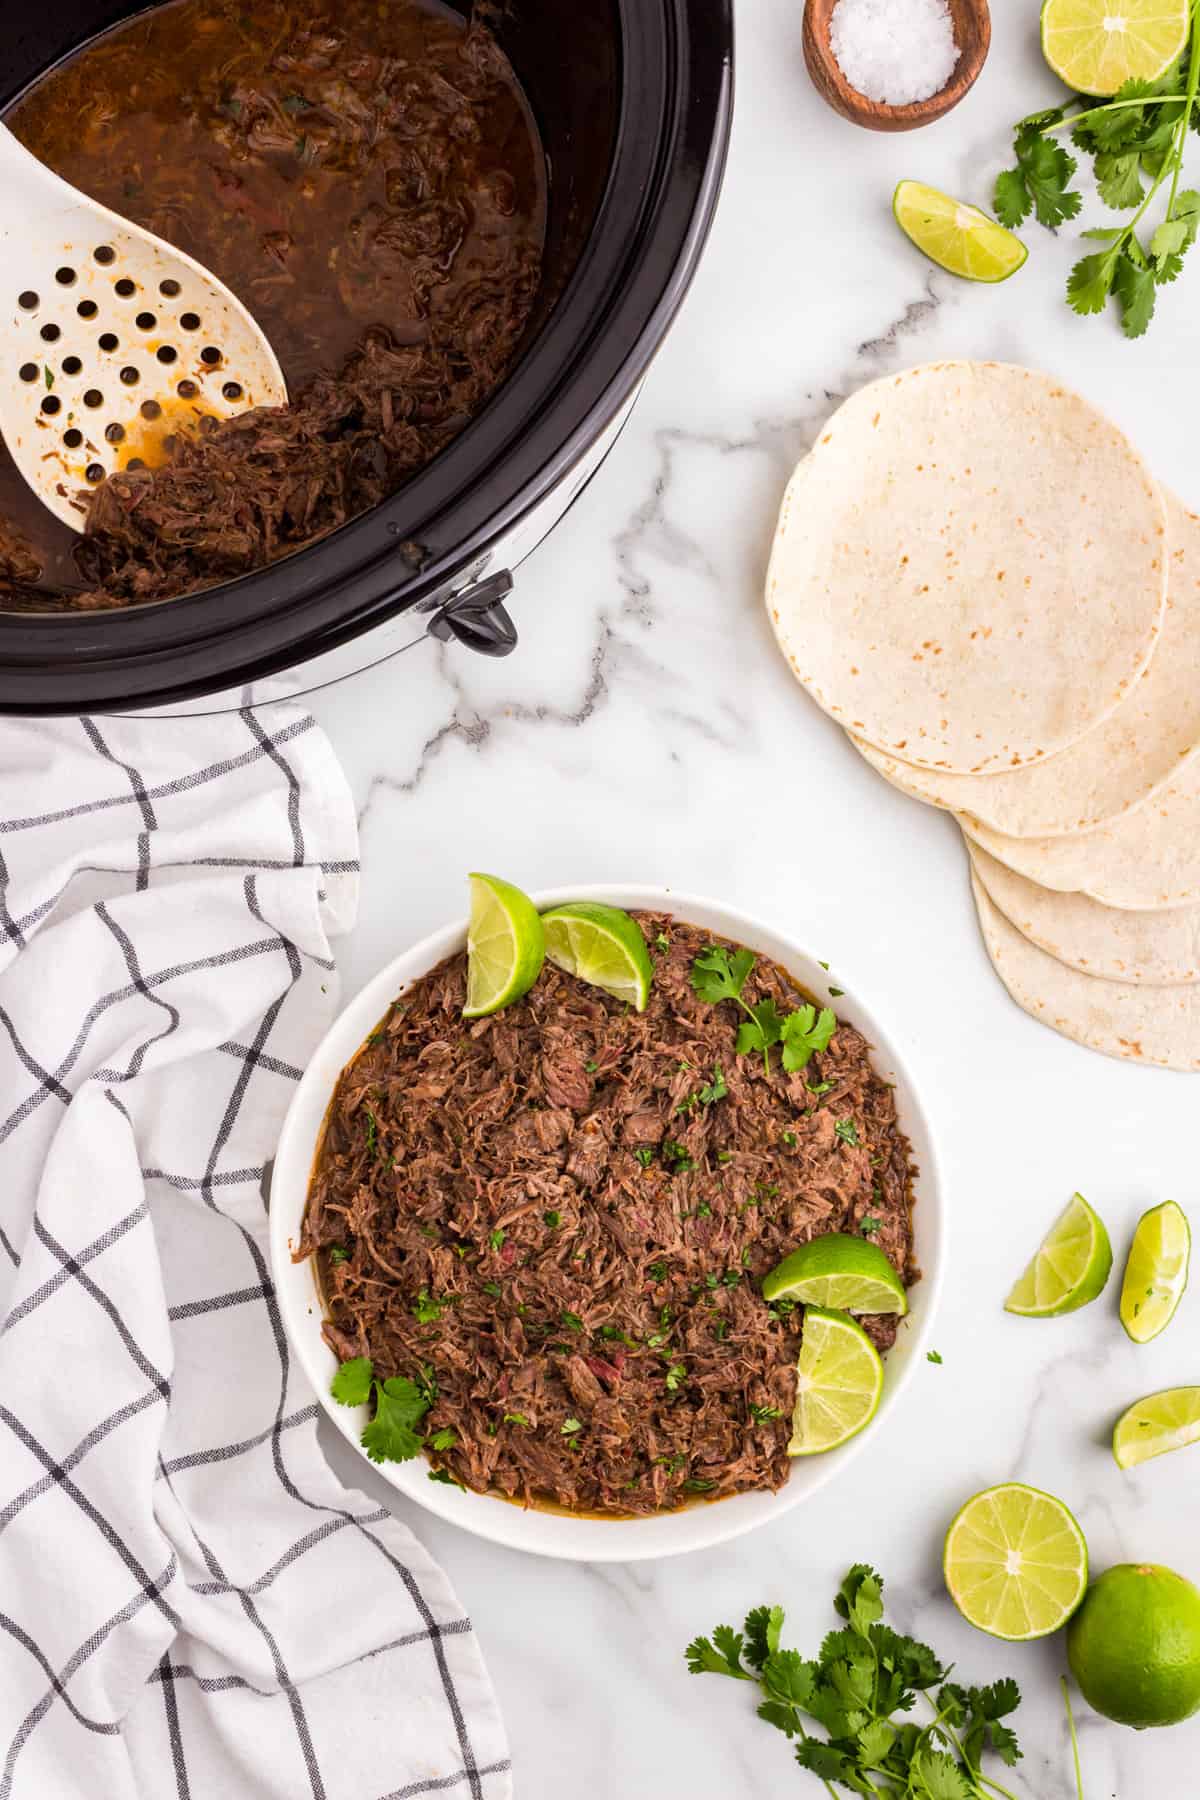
{"x": 369, "y": 180}
{"x": 543, "y": 1209}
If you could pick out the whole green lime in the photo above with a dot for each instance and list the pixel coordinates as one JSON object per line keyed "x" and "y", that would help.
{"x": 1134, "y": 1646}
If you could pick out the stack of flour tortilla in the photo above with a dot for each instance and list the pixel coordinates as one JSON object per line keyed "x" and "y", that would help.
{"x": 976, "y": 574}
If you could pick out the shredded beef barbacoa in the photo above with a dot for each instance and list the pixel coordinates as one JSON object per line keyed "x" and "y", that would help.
{"x": 589, "y": 1234}
{"x": 368, "y": 179}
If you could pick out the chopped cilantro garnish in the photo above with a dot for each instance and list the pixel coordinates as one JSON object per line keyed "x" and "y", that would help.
{"x": 645, "y": 1156}
{"x": 339, "y": 1253}
{"x": 760, "y": 1414}
{"x": 552, "y": 1219}
{"x": 847, "y": 1130}
{"x": 932, "y": 1356}
{"x": 675, "y": 1377}
{"x": 870, "y": 1226}
{"x": 515, "y": 1419}
{"x": 658, "y": 1270}
{"x": 496, "y": 1238}
{"x": 571, "y": 1426}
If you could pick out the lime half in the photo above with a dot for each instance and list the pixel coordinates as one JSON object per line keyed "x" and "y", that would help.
{"x": 603, "y": 946}
{"x": 1096, "y": 45}
{"x": 1071, "y": 1267}
{"x": 956, "y": 236}
{"x": 1156, "y": 1273}
{"x": 848, "y": 1273}
{"x": 1161, "y": 1422}
{"x": 839, "y": 1378}
{"x": 506, "y": 946}
{"x": 1015, "y": 1562}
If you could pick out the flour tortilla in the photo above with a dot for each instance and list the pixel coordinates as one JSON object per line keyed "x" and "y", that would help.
{"x": 970, "y": 568}
{"x": 1124, "y": 760}
{"x": 1151, "y": 949}
{"x": 1142, "y": 1024}
{"x": 1145, "y": 862}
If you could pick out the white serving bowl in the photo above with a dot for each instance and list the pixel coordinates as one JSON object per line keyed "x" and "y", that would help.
{"x": 552, "y": 1533}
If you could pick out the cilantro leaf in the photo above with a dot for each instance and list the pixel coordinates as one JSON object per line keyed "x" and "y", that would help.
{"x": 1118, "y": 178}
{"x": 763, "y": 1028}
{"x": 719, "y": 1655}
{"x": 391, "y": 1436}
{"x": 762, "y": 1628}
{"x": 1090, "y": 283}
{"x": 352, "y": 1383}
{"x": 1011, "y": 199}
{"x": 1134, "y": 287}
{"x": 805, "y": 1034}
{"x": 719, "y": 974}
{"x": 940, "y": 1776}
{"x": 1047, "y": 168}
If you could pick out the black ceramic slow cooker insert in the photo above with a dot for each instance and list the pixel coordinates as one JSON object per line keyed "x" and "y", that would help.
{"x": 633, "y": 99}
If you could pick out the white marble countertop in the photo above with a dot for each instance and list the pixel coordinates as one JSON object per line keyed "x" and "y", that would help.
{"x": 647, "y": 729}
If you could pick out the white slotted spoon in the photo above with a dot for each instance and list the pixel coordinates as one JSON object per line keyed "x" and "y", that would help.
{"x": 112, "y": 342}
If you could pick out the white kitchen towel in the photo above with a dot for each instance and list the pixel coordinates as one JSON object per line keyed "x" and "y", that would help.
{"x": 191, "y": 1607}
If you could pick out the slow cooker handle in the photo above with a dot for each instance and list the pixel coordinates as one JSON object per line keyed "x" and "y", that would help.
{"x": 478, "y": 618}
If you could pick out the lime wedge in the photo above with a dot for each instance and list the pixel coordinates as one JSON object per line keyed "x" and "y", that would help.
{"x": 847, "y": 1273}
{"x": 1096, "y": 45}
{"x": 839, "y": 1379}
{"x": 1161, "y": 1422}
{"x": 506, "y": 946}
{"x": 603, "y": 946}
{"x": 956, "y": 236}
{"x": 1156, "y": 1273}
{"x": 1015, "y": 1562}
{"x": 1070, "y": 1268}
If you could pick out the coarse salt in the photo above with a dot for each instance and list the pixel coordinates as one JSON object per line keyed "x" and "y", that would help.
{"x": 894, "y": 52}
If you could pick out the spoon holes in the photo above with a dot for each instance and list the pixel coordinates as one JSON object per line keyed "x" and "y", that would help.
{"x": 114, "y": 432}
{"x": 71, "y": 365}
{"x": 130, "y": 376}
{"x": 65, "y": 276}
{"x": 232, "y": 390}
{"x": 187, "y": 390}
{"x": 190, "y": 321}
{"x": 135, "y": 462}
{"x": 87, "y": 309}
{"x": 29, "y": 371}
{"x": 72, "y": 438}
{"x": 210, "y": 355}
{"x": 94, "y": 472}
{"x": 50, "y": 334}
{"x": 51, "y": 404}
{"x": 104, "y": 253}
{"x": 108, "y": 340}
{"x": 169, "y": 287}
{"x": 124, "y": 287}
{"x": 150, "y": 409}
{"x": 145, "y": 321}
{"x": 27, "y": 301}
{"x": 93, "y": 397}
{"x": 165, "y": 353}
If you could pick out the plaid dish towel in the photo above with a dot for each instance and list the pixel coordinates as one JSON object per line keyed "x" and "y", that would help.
{"x": 191, "y": 1607}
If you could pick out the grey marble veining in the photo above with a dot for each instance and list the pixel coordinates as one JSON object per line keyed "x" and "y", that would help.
{"x": 647, "y": 729}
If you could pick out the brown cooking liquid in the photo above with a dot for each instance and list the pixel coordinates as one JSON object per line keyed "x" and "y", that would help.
{"x": 316, "y": 160}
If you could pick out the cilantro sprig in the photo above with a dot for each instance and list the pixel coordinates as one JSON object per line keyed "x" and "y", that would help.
{"x": 719, "y": 974}
{"x": 1137, "y": 143}
{"x": 400, "y": 1405}
{"x": 860, "y": 1690}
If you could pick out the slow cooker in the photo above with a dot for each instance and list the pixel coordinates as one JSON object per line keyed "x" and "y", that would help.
{"x": 634, "y": 101}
